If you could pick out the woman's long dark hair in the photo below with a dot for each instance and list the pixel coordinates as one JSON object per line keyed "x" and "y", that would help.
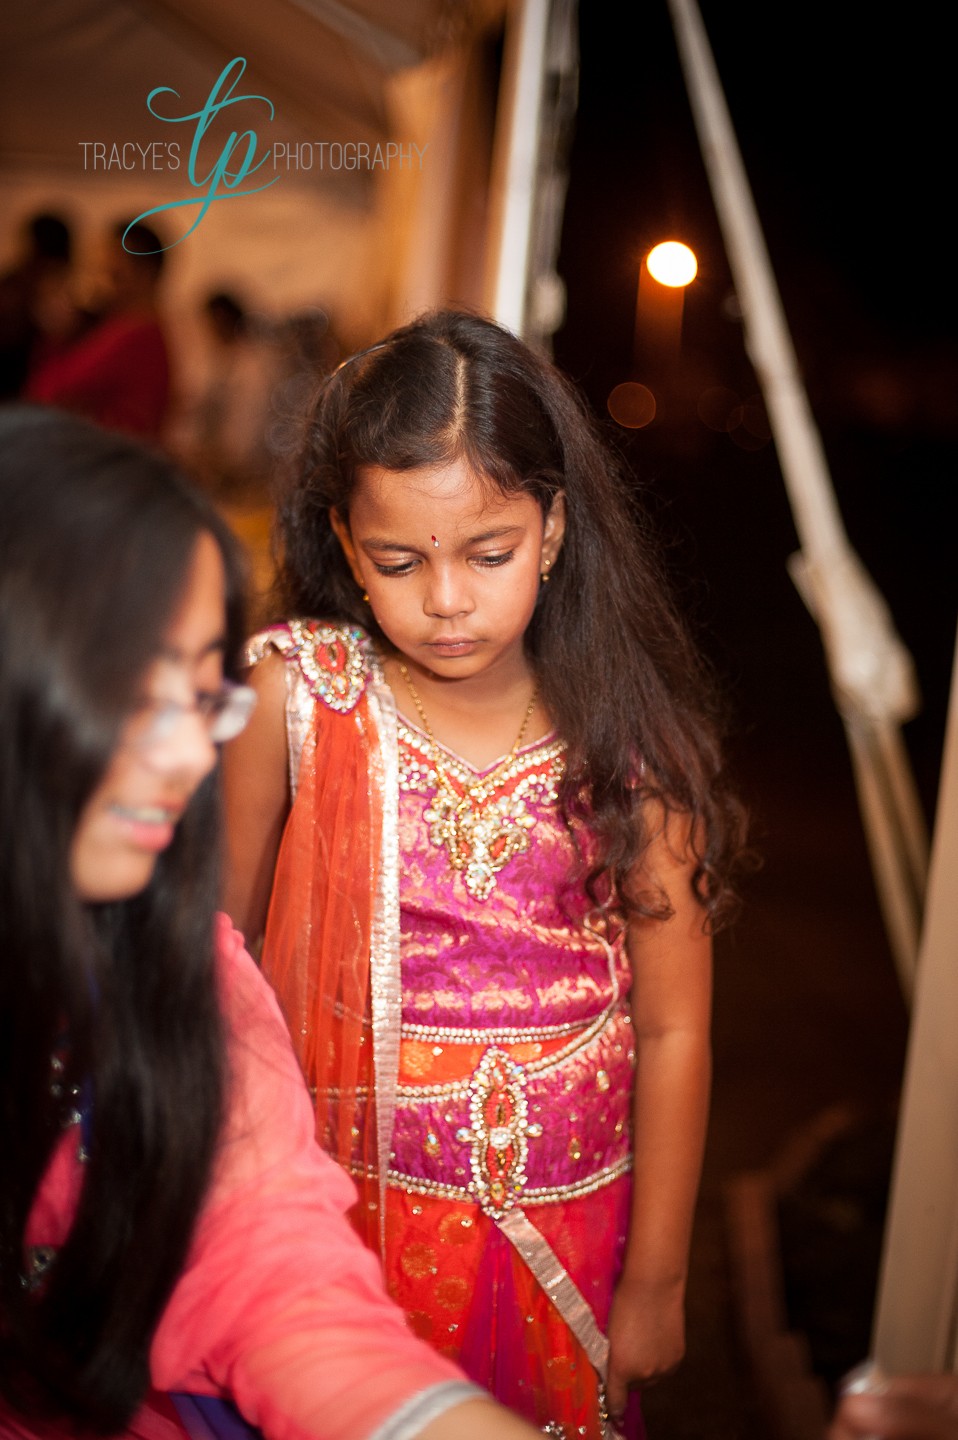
{"x": 96, "y": 540}
{"x": 617, "y": 669}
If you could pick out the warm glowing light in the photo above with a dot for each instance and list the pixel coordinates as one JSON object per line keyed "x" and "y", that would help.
{"x": 672, "y": 263}
{"x": 744, "y": 421}
{"x": 632, "y": 405}
{"x": 717, "y": 406}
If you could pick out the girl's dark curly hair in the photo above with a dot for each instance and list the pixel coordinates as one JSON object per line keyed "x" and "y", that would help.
{"x": 618, "y": 671}
{"x": 96, "y": 540}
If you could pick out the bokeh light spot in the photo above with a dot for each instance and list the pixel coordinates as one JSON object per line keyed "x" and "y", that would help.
{"x": 632, "y": 405}
{"x": 716, "y": 405}
{"x": 755, "y": 419}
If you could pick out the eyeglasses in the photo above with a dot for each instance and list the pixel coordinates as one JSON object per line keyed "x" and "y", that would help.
{"x": 224, "y": 712}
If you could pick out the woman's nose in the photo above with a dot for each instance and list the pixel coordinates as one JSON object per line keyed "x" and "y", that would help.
{"x": 185, "y": 751}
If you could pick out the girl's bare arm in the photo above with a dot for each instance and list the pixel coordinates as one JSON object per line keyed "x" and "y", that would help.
{"x": 671, "y": 1008}
{"x": 256, "y": 801}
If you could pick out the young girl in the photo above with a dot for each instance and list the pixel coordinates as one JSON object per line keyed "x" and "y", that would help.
{"x": 167, "y": 1221}
{"x": 481, "y": 801}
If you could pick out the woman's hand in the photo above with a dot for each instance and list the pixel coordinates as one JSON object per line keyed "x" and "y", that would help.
{"x": 646, "y": 1337}
{"x": 908, "y": 1407}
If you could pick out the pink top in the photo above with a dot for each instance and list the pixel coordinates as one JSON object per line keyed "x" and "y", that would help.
{"x": 500, "y": 950}
{"x": 280, "y": 1306}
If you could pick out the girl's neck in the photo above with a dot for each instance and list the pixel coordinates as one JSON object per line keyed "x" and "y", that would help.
{"x": 478, "y": 717}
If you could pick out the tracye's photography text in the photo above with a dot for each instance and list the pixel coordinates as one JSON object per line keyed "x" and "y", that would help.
{"x": 318, "y": 155}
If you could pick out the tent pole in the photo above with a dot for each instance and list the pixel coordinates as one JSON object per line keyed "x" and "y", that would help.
{"x": 516, "y": 160}
{"x": 916, "y": 1325}
{"x": 871, "y": 671}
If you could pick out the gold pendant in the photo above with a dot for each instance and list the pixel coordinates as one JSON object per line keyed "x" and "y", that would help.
{"x": 480, "y": 841}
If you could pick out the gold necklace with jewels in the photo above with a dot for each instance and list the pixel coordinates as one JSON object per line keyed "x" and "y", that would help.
{"x": 480, "y": 836}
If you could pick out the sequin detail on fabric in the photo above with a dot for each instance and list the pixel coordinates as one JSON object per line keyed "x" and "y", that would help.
{"x": 481, "y": 826}
{"x": 39, "y": 1260}
{"x": 324, "y": 662}
{"x": 331, "y": 658}
{"x": 498, "y": 1112}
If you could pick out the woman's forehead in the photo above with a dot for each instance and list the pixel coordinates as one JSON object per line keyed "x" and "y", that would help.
{"x": 198, "y": 623}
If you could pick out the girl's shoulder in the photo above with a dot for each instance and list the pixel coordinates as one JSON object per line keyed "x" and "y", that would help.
{"x": 334, "y": 661}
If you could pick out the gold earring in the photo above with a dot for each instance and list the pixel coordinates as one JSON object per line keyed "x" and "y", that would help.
{"x": 545, "y": 574}
{"x": 365, "y": 597}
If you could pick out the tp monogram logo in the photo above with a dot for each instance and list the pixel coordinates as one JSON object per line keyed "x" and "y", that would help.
{"x": 221, "y": 182}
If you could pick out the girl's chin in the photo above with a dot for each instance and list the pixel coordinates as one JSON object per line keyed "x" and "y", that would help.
{"x": 111, "y": 883}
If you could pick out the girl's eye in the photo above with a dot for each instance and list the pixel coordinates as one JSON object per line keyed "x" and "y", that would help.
{"x": 404, "y": 568}
{"x": 491, "y": 561}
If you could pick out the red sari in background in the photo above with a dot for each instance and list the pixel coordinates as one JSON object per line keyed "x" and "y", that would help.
{"x": 117, "y": 374}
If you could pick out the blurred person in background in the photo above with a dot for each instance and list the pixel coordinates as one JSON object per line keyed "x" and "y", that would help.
{"x": 30, "y": 291}
{"x": 117, "y": 372}
{"x": 222, "y": 432}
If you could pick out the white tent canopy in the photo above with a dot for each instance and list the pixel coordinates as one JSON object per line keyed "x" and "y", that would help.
{"x": 80, "y": 69}
{"x": 332, "y": 229}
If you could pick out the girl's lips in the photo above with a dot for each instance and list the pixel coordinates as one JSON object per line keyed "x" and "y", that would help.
{"x": 455, "y": 645}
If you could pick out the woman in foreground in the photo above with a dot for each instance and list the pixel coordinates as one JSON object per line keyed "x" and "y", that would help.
{"x": 166, "y": 1221}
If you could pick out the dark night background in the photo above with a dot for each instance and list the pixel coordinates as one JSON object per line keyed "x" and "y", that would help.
{"x": 845, "y": 121}
{"x": 845, "y": 126}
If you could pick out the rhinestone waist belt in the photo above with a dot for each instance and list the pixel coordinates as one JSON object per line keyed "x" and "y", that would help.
{"x": 513, "y": 1134}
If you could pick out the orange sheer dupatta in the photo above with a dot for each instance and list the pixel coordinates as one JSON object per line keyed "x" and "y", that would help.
{"x": 316, "y": 951}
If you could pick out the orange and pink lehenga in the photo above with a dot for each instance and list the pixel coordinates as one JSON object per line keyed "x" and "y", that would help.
{"x": 463, "y": 1023}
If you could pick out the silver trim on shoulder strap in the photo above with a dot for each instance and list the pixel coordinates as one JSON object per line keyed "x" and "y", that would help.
{"x": 300, "y": 701}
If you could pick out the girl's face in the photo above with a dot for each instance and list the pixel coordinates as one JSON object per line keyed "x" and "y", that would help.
{"x": 451, "y": 565}
{"x": 131, "y": 816}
